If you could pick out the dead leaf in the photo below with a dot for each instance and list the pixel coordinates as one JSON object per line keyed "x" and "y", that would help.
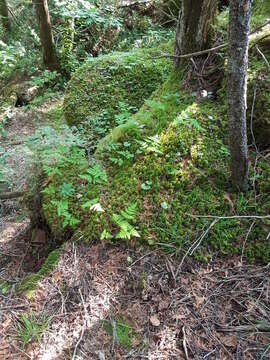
{"x": 57, "y": 277}
{"x": 198, "y": 300}
{"x": 163, "y": 305}
{"x": 154, "y": 320}
{"x": 47, "y": 181}
{"x": 228, "y": 340}
{"x": 228, "y": 198}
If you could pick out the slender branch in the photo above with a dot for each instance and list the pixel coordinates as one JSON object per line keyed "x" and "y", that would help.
{"x": 196, "y": 244}
{"x": 245, "y": 241}
{"x": 11, "y": 195}
{"x": 185, "y": 343}
{"x": 198, "y": 53}
{"x": 83, "y": 328}
{"x": 231, "y": 217}
{"x": 198, "y": 241}
{"x": 256, "y": 327}
{"x": 263, "y": 56}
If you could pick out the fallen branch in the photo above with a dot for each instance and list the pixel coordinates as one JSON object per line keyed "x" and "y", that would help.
{"x": 83, "y": 328}
{"x": 185, "y": 343}
{"x": 248, "y": 328}
{"x": 263, "y": 56}
{"x": 258, "y": 217}
{"x": 11, "y": 195}
{"x": 196, "y": 244}
{"x": 198, "y": 53}
{"x": 246, "y": 239}
{"x": 198, "y": 241}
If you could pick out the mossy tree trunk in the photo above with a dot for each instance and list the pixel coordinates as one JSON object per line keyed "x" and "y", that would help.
{"x": 240, "y": 11}
{"x": 194, "y": 25}
{"x": 46, "y": 35}
{"x": 67, "y": 44}
{"x": 4, "y": 15}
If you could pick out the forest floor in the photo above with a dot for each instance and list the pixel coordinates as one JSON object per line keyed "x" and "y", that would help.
{"x": 105, "y": 301}
{"x": 112, "y": 302}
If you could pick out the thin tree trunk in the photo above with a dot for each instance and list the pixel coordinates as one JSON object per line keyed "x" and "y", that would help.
{"x": 240, "y": 11}
{"x": 46, "y": 35}
{"x": 4, "y": 15}
{"x": 194, "y": 25}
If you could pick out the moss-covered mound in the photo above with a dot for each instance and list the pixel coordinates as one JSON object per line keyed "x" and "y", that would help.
{"x": 160, "y": 172}
{"x": 119, "y": 82}
{"x": 161, "y": 176}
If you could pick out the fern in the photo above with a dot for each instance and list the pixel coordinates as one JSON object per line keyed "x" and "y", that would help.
{"x": 106, "y": 235}
{"x": 123, "y": 221}
{"x": 94, "y": 175}
{"x": 130, "y": 212}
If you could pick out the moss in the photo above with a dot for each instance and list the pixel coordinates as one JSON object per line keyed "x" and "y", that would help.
{"x": 172, "y": 159}
{"x": 101, "y": 85}
{"x": 4, "y": 287}
{"x": 54, "y": 116}
{"x": 124, "y": 332}
{"x": 29, "y": 283}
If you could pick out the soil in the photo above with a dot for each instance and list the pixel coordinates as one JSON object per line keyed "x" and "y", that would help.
{"x": 208, "y": 311}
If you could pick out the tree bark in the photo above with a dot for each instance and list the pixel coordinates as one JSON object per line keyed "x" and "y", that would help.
{"x": 4, "y": 15}
{"x": 240, "y": 11}
{"x": 46, "y": 35}
{"x": 194, "y": 25}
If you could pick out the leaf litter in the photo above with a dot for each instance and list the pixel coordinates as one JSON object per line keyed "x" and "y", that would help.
{"x": 218, "y": 310}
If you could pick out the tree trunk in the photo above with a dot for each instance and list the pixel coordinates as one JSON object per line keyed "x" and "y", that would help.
{"x": 46, "y": 35}
{"x": 194, "y": 25}
{"x": 4, "y": 15}
{"x": 240, "y": 11}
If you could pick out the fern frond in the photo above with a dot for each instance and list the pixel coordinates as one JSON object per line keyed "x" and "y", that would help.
{"x": 130, "y": 212}
{"x": 122, "y": 220}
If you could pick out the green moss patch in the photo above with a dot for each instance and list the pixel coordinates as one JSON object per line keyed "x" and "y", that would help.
{"x": 154, "y": 176}
{"x": 121, "y": 330}
{"x": 30, "y": 281}
{"x": 111, "y": 84}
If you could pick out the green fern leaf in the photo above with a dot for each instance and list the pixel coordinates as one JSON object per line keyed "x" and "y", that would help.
{"x": 130, "y": 212}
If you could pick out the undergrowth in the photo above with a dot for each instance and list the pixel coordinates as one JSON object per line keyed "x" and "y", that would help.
{"x": 29, "y": 328}
{"x": 171, "y": 159}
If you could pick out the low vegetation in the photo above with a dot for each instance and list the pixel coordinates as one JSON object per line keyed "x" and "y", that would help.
{"x": 118, "y": 211}
{"x": 163, "y": 162}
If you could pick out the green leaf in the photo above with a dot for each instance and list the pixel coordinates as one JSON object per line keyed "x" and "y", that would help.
{"x": 164, "y": 205}
{"x": 66, "y": 189}
{"x": 146, "y": 186}
{"x": 105, "y": 235}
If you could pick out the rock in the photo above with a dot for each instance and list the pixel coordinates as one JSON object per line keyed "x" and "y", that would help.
{"x": 113, "y": 84}
{"x": 25, "y": 95}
